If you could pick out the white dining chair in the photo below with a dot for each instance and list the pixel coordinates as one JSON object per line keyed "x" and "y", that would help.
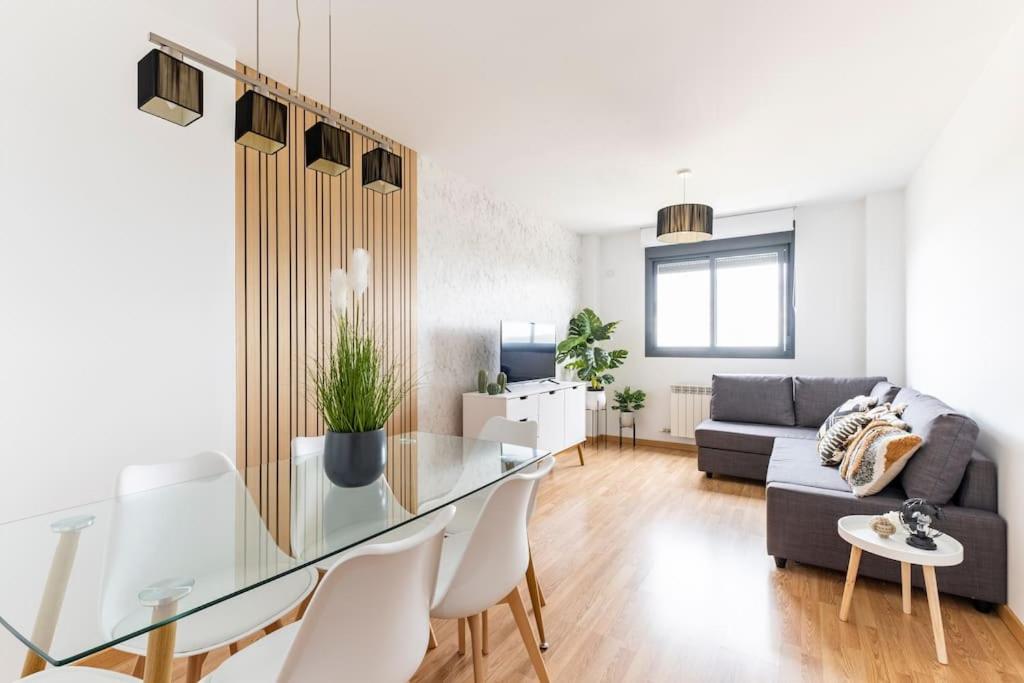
{"x": 519, "y": 433}
{"x": 368, "y": 621}
{"x": 178, "y": 530}
{"x": 79, "y": 674}
{"x": 483, "y": 567}
{"x": 321, "y": 505}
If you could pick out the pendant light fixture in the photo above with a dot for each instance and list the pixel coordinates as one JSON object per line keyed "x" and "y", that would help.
{"x": 170, "y": 88}
{"x": 328, "y": 148}
{"x": 682, "y": 223}
{"x": 260, "y": 122}
{"x": 382, "y": 171}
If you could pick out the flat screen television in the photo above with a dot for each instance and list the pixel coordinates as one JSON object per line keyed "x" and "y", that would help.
{"x": 527, "y": 350}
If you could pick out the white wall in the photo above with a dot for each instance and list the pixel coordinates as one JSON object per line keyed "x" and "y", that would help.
{"x": 116, "y": 261}
{"x": 830, "y": 245}
{"x": 885, "y": 285}
{"x": 965, "y": 237}
{"x": 481, "y": 260}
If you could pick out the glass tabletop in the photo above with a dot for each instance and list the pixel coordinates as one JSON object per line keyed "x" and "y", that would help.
{"x": 76, "y": 581}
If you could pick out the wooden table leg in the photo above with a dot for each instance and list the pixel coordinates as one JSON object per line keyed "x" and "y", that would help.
{"x": 579, "y": 450}
{"x": 432, "y": 641}
{"x": 851, "y": 580}
{"x": 163, "y": 598}
{"x": 461, "y": 628}
{"x": 55, "y": 588}
{"x": 932, "y": 588}
{"x": 905, "y": 580}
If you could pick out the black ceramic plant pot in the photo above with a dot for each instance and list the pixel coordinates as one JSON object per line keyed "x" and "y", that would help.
{"x": 355, "y": 459}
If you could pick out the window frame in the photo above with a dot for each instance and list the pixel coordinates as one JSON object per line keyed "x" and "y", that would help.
{"x": 782, "y": 243}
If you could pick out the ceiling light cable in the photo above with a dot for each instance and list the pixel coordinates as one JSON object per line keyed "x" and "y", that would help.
{"x": 298, "y": 44}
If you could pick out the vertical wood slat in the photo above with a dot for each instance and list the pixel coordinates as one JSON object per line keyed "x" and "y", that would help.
{"x": 293, "y": 226}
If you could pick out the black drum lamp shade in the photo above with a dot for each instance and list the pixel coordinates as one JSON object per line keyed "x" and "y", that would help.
{"x": 170, "y": 88}
{"x": 382, "y": 171}
{"x": 683, "y": 223}
{"x": 260, "y": 122}
{"x": 328, "y": 149}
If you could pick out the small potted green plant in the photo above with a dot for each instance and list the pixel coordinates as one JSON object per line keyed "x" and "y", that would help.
{"x": 590, "y": 361}
{"x": 357, "y": 387}
{"x": 628, "y": 402}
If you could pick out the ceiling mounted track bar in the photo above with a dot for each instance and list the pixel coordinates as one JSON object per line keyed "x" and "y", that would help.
{"x": 356, "y": 128}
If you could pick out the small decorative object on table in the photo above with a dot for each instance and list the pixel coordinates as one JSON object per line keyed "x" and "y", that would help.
{"x": 502, "y": 382}
{"x": 917, "y": 515}
{"x": 482, "y": 380}
{"x": 357, "y": 387}
{"x": 882, "y": 526}
{"x": 493, "y": 389}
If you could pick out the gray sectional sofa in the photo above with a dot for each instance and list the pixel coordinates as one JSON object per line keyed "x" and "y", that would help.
{"x": 764, "y": 427}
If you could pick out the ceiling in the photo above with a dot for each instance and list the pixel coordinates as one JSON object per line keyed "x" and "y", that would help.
{"x": 582, "y": 110}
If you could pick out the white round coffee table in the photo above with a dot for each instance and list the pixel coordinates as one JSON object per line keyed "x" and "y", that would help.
{"x": 854, "y": 530}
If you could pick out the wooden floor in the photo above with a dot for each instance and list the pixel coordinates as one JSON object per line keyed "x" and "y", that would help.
{"x": 654, "y": 573}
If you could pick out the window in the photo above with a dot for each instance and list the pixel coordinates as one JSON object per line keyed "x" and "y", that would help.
{"x": 722, "y": 298}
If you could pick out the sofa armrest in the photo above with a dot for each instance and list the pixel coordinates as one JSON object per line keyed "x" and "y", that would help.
{"x": 979, "y": 488}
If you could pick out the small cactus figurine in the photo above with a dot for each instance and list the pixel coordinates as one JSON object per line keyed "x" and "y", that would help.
{"x": 481, "y": 381}
{"x": 502, "y": 381}
{"x": 493, "y": 389}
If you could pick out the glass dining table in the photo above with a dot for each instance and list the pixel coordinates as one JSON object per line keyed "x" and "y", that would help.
{"x": 84, "y": 579}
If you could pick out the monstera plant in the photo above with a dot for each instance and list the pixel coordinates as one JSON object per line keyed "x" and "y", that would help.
{"x": 580, "y": 352}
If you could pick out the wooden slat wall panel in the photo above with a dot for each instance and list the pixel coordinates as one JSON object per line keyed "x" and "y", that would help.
{"x": 293, "y": 226}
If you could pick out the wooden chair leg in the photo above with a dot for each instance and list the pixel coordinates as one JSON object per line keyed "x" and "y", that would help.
{"x": 579, "y": 450}
{"x": 194, "y": 668}
{"x": 309, "y": 598}
{"x": 432, "y": 643}
{"x": 535, "y": 601}
{"x": 232, "y": 648}
{"x": 515, "y": 603}
{"x": 461, "y": 627}
{"x": 484, "y": 647}
{"x": 475, "y": 634}
{"x": 140, "y": 667}
{"x": 270, "y": 628}
{"x": 851, "y": 580}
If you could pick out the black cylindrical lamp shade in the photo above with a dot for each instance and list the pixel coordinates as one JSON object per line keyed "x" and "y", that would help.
{"x": 382, "y": 171}
{"x": 170, "y": 88}
{"x": 328, "y": 149}
{"x": 681, "y": 223}
{"x": 260, "y": 122}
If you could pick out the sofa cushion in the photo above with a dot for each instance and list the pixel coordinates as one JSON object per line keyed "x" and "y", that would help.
{"x": 936, "y": 470}
{"x": 762, "y": 399}
{"x": 876, "y": 457}
{"x": 796, "y": 461}
{"x": 816, "y": 397}
{"x": 747, "y": 437}
{"x": 884, "y": 392}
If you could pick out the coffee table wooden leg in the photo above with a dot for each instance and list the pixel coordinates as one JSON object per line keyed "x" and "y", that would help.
{"x": 851, "y": 580}
{"x": 932, "y": 588}
{"x": 905, "y": 580}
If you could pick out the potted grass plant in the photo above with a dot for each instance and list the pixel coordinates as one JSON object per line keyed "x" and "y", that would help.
{"x": 357, "y": 387}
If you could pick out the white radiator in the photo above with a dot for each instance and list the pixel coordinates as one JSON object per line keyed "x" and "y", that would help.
{"x": 689, "y": 405}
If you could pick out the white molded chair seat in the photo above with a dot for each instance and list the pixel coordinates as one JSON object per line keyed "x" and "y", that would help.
{"x": 79, "y": 674}
{"x": 375, "y": 511}
{"x": 368, "y": 621}
{"x": 148, "y": 543}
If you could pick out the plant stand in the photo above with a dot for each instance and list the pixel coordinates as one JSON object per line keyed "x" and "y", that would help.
{"x": 631, "y": 427}
{"x": 595, "y": 423}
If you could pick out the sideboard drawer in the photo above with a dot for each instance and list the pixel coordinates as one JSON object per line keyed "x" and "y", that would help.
{"x": 522, "y": 408}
